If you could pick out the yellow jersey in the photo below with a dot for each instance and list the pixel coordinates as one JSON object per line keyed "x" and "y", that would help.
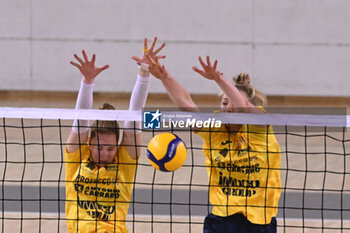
{"x": 97, "y": 199}
{"x": 244, "y": 171}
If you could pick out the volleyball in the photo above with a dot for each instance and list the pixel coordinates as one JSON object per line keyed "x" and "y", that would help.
{"x": 166, "y": 152}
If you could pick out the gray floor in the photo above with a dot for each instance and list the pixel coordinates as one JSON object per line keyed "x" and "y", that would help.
{"x": 178, "y": 202}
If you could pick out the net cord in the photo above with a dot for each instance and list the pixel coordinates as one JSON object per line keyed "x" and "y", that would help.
{"x": 226, "y": 118}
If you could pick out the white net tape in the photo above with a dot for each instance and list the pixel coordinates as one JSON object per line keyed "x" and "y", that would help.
{"x": 233, "y": 118}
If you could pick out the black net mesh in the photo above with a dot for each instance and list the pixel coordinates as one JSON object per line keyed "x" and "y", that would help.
{"x": 314, "y": 176}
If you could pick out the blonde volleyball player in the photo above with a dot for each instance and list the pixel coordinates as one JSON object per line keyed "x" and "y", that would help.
{"x": 243, "y": 161}
{"x": 99, "y": 172}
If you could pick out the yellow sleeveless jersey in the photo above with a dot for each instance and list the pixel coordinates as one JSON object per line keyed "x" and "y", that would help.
{"x": 97, "y": 199}
{"x": 244, "y": 171}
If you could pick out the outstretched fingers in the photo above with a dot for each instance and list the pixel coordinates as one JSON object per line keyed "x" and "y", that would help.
{"x": 196, "y": 69}
{"x": 137, "y": 59}
{"x": 160, "y": 57}
{"x": 208, "y": 70}
{"x": 153, "y": 44}
{"x": 79, "y": 59}
{"x": 93, "y": 59}
{"x": 85, "y": 56}
{"x": 202, "y": 63}
{"x": 145, "y": 46}
{"x": 215, "y": 65}
{"x": 88, "y": 68}
{"x": 208, "y": 61}
{"x": 159, "y": 49}
{"x": 75, "y": 64}
{"x": 149, "y": 54}
{"x": 99, "y": 70}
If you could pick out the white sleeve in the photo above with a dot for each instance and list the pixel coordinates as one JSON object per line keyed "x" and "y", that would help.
{"x": 84, "y": 101}
{"x": 137, "y": 101}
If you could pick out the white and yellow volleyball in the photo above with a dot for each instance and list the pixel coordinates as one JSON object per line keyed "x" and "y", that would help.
{"x": 166, "y": 152}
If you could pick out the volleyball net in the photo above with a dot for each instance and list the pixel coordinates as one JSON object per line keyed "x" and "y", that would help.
{"x": 314, "y": 170}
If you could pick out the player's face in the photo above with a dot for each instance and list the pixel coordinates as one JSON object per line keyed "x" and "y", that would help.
{"x": 103, "y": 149}
{"x": 227, "y": 106}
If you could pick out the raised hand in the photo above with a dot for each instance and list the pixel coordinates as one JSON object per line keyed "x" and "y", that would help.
{"x": 156, "y": 69}
{"x": 149, "y": 52}
{"x": 87, "y": 68}
{"x": 209, "y": 71}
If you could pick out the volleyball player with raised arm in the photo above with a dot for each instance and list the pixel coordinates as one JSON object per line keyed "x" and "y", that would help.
{"x": 243, "y": 161}
{"x": 99, "y": 172}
